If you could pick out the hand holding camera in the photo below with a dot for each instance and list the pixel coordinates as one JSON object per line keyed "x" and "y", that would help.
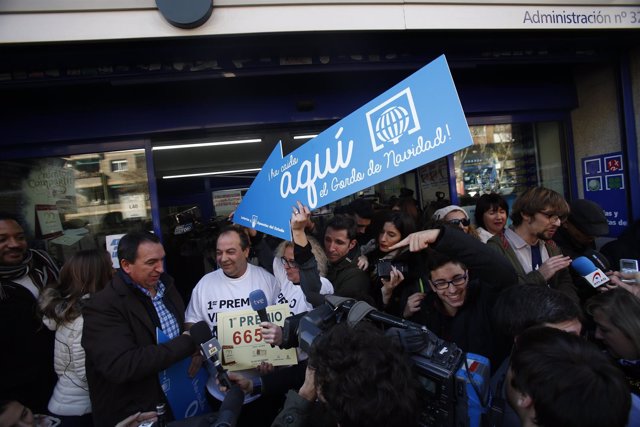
{"x": 391, "y": 276}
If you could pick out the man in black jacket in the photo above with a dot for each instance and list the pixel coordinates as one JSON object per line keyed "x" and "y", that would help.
{"x": 119, "y": 336}
{"x": 347, "y": 279}
{"x": 465, "y": 277}
{"x": 27, "y": 354}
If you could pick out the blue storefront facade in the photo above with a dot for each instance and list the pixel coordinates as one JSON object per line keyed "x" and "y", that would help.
{"x": 147, "y": 124}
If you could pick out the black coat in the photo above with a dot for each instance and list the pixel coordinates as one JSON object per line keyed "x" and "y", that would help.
{"x": 27, "y": 354}
{"x": 122, "y": 357}
{"x": 472, "y": 326}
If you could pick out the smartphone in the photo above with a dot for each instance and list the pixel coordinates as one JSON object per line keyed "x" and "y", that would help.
{"x": 628, "y": 266}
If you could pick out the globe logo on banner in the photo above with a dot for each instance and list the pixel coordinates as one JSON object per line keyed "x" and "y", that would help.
{"x": 398, "y": 113}
{"x": 392, "y": 124}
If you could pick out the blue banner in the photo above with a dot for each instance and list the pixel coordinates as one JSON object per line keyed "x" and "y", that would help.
{"x": 186, "y": 396}
{"x": 415, "y": 122}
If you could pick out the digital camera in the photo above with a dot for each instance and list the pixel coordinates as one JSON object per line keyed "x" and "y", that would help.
{"x": 384, "y": 267}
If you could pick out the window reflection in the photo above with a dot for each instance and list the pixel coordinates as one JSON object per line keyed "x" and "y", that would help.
{"x": 73, "y": 202}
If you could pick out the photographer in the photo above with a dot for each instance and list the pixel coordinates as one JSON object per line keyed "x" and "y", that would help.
{"x": 358, "y": 377}
{"x": 392, "y": 272}
{"x": 465, "y": 278}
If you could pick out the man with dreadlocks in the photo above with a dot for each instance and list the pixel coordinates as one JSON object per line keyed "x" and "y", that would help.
{"x": 26, "y": 358}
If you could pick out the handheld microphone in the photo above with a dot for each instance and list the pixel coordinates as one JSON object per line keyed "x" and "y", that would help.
{"x": 210, "y": 348}
{"x": 593, "y": 275}
{"x": 258, "y": 302}
{"x": 230, "y": 408}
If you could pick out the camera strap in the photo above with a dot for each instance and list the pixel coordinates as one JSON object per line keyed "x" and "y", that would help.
{"x": 359, "y": 311}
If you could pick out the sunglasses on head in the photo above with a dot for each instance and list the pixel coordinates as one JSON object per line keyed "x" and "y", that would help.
{"x": 465, "y": 222}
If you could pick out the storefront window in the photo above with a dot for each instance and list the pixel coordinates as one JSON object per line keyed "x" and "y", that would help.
{"x": 509, "y": 158}
{"x": 78, "y": 201}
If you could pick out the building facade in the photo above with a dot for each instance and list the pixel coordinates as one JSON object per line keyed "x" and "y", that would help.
{"x": 108, "y": 103}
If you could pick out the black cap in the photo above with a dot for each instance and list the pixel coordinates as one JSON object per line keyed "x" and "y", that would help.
{"x": 589, "y": 217}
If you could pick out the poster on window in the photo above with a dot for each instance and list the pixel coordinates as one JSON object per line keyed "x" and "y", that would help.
{"x": 226, "y": 201}
{"x": 48, "y": 224}
{"x": 133, "y": 206}
{"x": 604, "y": 183}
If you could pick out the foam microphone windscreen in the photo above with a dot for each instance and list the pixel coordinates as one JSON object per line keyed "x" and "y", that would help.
{"x": 258, "y": 300}
{"x": 583, "y": 266}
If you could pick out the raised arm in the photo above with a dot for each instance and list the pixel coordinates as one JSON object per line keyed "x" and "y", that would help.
{"x": 309, "y": 275}
{"x": 483, "y": 262}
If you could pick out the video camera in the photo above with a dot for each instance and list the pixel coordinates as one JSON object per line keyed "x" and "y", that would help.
{"x": 455, "y": 385}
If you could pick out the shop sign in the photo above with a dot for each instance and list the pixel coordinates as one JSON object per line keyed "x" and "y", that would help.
{"x": 415, "y": 122}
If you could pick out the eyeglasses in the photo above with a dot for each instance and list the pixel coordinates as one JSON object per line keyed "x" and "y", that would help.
{"x": 289, "y": 262}
{"x": 444, "y": 284}
{"x": 552, "y": 217}
{"x": 457, "y": 222}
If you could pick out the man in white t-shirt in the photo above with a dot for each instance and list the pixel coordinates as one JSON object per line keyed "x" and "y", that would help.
{"x": 228, "y": 289}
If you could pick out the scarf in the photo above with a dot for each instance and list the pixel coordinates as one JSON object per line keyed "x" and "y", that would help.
{"x": 37, "y": 264}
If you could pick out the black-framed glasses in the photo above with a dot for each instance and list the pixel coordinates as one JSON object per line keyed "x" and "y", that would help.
{"x": 289, "y": 262}
{"x": 553, "y": 217}
{"x": 444, "y": 284}
{"x": 457, "y": 222}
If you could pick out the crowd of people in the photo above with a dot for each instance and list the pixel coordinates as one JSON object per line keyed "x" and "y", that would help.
{"x": 81, "y": 346}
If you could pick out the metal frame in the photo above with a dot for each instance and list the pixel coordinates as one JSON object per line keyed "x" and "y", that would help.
{"x": 569, "y": 176}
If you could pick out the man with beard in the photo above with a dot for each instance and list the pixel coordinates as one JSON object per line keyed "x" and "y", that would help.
{"x": 347, "y": 279}
{"x": 27, "y": 355}
{"x": 536, "y": 215}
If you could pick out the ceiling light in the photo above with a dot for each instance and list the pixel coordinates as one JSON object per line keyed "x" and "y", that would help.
{"x": 304, "y": 136}
{"x": 206, "y": 144}
{"x": 212, "y": 173}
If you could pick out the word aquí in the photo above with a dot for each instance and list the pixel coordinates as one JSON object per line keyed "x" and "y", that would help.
{"x": 310, "y": 172}
{"x": 422, "y": 146}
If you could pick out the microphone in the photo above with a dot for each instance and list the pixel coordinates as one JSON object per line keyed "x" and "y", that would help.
{"x": 258, "y": 302}
{"x": 210, "y": 347}
{"x": 230, "y": 408}
{"x": 593, "y": 275}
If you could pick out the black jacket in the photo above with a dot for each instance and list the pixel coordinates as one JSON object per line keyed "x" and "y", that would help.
{"x": 122, "y": 355}
{"x": 349, "y": 281}
{"x": 472, "y": 327}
